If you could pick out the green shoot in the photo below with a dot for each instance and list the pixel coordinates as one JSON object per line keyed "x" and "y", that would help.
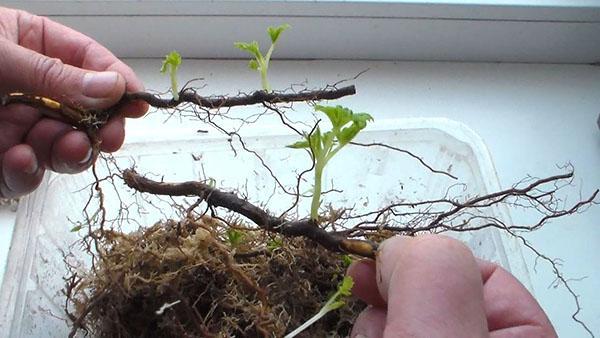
{"x": 171, "y": 63}
{"x": 234, "y": 237}
{"x": 335, "y": 302}
{"x": 323, "y": 146}
{"x": 346, "y": 260}
{"x": 274, "y": 244}
{"x": 211, "y": 182}
{"x": 77, "y": 228}
{"x": 260, "y": 62}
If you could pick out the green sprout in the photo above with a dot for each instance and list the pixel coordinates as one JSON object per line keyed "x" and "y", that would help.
{"x": 260, "y": 63}
{"x": 274, "y": 244}
{"x": 77, "y": 227}
{"x": 346, "y": 260}
{"x": 323, "y": 146}
{"x": 234, "y": 237}
{"x": 335, "y": 302}
{"x": 171, "y": 63}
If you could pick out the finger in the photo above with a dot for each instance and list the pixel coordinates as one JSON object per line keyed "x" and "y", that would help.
{"x": 71, "y": 153}
{"x": 432, "y": 286}
{"x": 112, "y": 134}
{"x": 27, "y": 71}
{"x": 57, "y": 41}
{"x": 21, "y": 173}
{"x": 42, "y": 136}
{"x": 511, "y": 310}
{"x": 365, "y": 285}
{"x": 369, "y": 323}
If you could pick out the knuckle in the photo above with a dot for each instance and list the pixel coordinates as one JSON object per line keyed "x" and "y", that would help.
{"x": 47, "y": 72}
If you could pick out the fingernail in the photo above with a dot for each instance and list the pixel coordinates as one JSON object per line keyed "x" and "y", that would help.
{"x": 99, "y": 85}
{"x": 32, "y": 168}
{"x": 360, "y": 336}
{"x": 87, "y": 158}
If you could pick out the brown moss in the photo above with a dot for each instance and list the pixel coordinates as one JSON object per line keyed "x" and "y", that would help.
{"x": 251, "y": 288}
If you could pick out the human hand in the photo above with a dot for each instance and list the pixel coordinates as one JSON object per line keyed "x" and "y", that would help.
{"x": 432, "y": 286}
{"x": 41, "y": 57}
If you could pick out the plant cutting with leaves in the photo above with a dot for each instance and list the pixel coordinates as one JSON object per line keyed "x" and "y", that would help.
{"x": 171, "y": 64}
{"x": 335, "y": 302}
{"x": 260, "y": 62}
{"x": 323, "y": 146}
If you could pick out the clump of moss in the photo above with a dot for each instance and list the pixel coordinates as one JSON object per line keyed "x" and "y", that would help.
{"x": 194, "y": 278}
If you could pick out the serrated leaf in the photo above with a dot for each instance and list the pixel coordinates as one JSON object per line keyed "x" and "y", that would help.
{"x": 362, "y": 118}
{"x": 250, "y": 47}
{"x": 299, "y": 145}
{"x": 344, "y": 290}
{"x": 172, "y": 59}
{"x": 338, "y": 115}
{"x": 347, "y": 134}
{"x": 275, "y": 32}
{"x": 346, "y": 260}
{"x": 253, "y": 64}
{"x": 345, "y": 286}
{"x": 359, "y": 122}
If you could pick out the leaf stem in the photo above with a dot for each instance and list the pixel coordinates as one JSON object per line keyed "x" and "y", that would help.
{"x": 174, "y": 89}
{"x": 308, "y": 323}
{"x": 316, "y": 199}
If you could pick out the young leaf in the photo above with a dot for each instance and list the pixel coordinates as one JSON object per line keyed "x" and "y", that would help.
{"x": 234, "y": 237}
{"x": 274, "y": 32}
{"x": 274, "y": 244}
{"x": 362, "y": 118}
{"x": 336, "y": 301}
{"x": 338, "y": 115}
{"x": 299, "y": 145}
{"x": 347, "y": 134}
{"x": 344, "y": 290}
{"x": 253, "y": 64}
{"x": 345, "y": 287}
{"x": 346, "y": 260}
{"x": 172, "y": 59}
{"x": 171, "y": 63}
{"x": 252, "y": 48}
{"x": 359, "y": 122}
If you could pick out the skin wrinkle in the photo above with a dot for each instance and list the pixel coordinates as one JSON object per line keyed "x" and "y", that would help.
{"x": 28, "y": 34}
{"x": 82, "y": 56}
{"x": 32, "y": 35}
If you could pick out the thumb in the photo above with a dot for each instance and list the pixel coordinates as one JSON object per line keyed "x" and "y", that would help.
{"x": 432, "y": 286}
{"x": 24, "y": 70}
